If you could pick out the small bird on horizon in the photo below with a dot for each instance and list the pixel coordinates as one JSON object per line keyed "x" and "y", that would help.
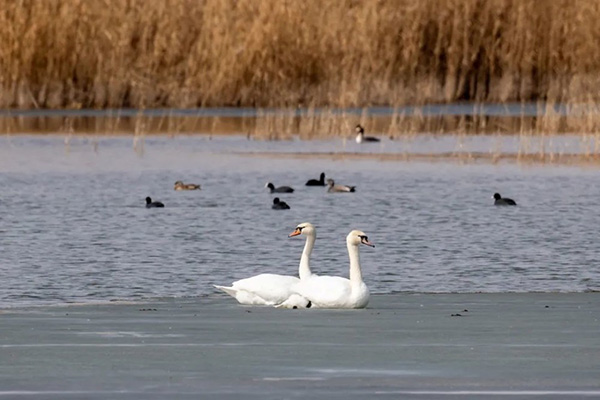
{"x": 360, "y": 135}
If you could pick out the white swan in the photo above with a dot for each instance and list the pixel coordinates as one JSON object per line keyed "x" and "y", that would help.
{"x": 271, "y": 289}
{"x": 335, "y": 291}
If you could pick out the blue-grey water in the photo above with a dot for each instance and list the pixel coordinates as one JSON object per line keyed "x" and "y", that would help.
{"x": 73, "y": 226}
{"x": 467, "y": 109}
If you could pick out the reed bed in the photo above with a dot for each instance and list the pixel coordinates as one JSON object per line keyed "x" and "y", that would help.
{"x": 286, "y": 53}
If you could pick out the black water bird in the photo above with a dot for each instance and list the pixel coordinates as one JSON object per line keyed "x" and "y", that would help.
{"x": 317, "y": 182}
{"x": 153, "y": 204}
{"x": 280, "y": 189}
{"x": 503, "y": 201}
{"x": 279, "y": 205}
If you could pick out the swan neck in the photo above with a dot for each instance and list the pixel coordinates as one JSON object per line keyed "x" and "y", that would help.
{"x": 304, "y": 269}
{"x": 355, "y": 272}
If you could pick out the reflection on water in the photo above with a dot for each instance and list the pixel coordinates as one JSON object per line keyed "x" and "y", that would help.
{"x": 310, "y": 123}
{"x": 73, "y": 226}
{"x": 497, "y": 110}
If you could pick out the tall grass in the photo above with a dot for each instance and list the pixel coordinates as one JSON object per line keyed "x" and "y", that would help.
{"x": 287, "y": 53}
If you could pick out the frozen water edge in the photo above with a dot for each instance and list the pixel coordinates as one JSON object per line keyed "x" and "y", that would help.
{"x": 409, "y": 345}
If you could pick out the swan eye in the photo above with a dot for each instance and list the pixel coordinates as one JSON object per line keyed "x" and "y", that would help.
{"x": 299, "y": 228}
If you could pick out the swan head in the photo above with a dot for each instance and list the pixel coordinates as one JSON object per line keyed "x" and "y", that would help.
{"x": 322, "y": 176}
{"x": 305, "y": 228}
{"x": 357, "y": 238}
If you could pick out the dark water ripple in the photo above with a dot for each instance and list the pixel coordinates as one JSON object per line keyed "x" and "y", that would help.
{"x": 73, "y": 226}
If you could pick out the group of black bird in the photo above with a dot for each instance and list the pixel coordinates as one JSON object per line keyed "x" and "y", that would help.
{"x": 278, "y": 204}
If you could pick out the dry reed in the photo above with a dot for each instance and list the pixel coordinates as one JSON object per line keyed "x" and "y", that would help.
{"x": 286, "y": 53}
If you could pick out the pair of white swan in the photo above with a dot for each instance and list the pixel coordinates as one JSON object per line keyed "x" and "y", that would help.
{"x": 310, "y": 290}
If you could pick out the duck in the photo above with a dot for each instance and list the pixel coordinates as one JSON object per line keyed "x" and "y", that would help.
{"x": 280, "y": 189}
{"x": 360, "y": 135}
{"x": 336, "y": 291}
{"x": 279, "y": 205}
{"x": 273, "y": 289}
{"x": 336, "y": 188}
{"x": 503, "y": 201}
{"x": 153, "y": 204}
{"x": 179, "y": 185}
{"x": 317, "y": 182}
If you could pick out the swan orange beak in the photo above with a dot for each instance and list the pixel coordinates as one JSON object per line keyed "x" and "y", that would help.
{"x": 295, "y": 233}
{"x": 366, "y": 241}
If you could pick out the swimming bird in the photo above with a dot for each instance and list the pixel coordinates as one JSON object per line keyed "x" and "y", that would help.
{"x": 335, "y": 291}
{"x": 317, "y": 182}
{"x": 279, "y": 205}
{"x": 360, "y": 135}
{"x": 179, "y": 185}
{"x": 336, "y": 188}
{"x": 153, "y": 204}
{"x": 503, "y": 201}
{"x": 272, "y": 289}
{"x": 280, "y": 189}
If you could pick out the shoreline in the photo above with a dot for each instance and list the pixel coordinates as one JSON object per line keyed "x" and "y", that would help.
{"x": 218, "y": 295}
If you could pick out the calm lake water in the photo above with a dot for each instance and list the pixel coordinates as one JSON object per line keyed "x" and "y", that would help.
{"x": 73, "y": 226}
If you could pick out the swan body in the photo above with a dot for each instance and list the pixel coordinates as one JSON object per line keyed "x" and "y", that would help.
{"x": 335, "y": 291}
{"x": 263, "y": 289}
{"x": 273, "y": 289}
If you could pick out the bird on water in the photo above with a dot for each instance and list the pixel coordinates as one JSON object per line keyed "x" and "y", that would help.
{"x": 360, "y": 135}
{"x": 153, "y": 204}
{"x": 503, "y": 201}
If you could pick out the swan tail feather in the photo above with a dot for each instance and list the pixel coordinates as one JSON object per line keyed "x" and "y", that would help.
{"x": 229, "y": 290}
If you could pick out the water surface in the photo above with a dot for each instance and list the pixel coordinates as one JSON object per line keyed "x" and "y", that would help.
{"x": 73, "y": 226}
